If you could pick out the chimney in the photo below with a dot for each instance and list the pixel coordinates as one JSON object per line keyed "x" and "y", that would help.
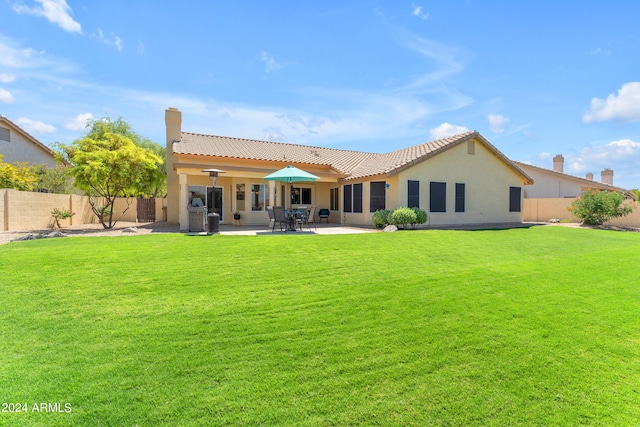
{"x": 173, "y": 123}
{"x": 558, "y": 163}
{"x": 607, "y": 176}
{"x": 589, "y": 176}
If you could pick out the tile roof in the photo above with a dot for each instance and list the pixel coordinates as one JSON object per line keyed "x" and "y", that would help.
{"x": 239, "y": 148}
{"x": 354, "y": 164}
{"x": 585, "y": 181}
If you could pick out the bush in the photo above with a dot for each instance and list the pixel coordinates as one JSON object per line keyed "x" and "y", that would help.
{"x": 402, "y": 216}
{"x": 381, "y": 218}
{"x": 595, "y": 207}
{"x": 421, "y": 216}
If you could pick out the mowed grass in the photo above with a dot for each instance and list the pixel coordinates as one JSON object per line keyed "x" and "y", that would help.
{"x": 537, "y": 326}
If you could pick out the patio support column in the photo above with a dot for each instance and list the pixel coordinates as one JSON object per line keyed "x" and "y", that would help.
{"x": 183, "y": 201}
{"x": 272, "y": 193}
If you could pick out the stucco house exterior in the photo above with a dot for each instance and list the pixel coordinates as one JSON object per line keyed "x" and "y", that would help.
{"x": 458, "y": 180}
{"x": 17, "y": 145}
{"x": 555, "y": 183}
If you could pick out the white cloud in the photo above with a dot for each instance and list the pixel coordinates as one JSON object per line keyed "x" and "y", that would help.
{"x": 624, "y": 106}
{"x": 79, "y": 122}
{"x": 6, "y": 97}
{"x": 113, "y": 40}
{"x": 447, "y": 129}
{"x": 35, "y": 127}
{"x": 417, "y": 11}
{"x": 270, "y": 62}
{"x": 497, "y": 123}
{"x": 6, "y": 78}
{"x": 56, "y": 11}
{"x": 140, "y": 48}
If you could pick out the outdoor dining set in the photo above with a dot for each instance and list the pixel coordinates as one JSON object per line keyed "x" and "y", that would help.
{"x": 291, "y": 219}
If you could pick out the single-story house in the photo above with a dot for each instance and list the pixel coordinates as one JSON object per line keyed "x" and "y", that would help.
{"x": 557, "y": 184}
{"x": 17, "y": 145}
{"x": 458, "y": 180}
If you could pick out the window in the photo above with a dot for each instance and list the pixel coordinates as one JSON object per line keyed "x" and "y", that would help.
{"x": 240, "y": 190}
{"x": 413, "y": 194}
{"x": 437, "y": 196}
{"x": 347, "y": 203}
{"x": 335, "y": 198}
{"x": 357, "y": 198}
{"x": 5, "y": 134}
{"x": 353, "y": 198}
{"x": 471, "y": 147}
{"x": 377, "y": 198}
{"x": 301, "y": 196}
{"x": 459, "y": 197}
{"x": 514, "y": 199}
{"x": 258, "y": 197}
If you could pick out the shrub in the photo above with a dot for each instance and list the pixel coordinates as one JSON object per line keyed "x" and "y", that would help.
{"x": 58, "y": 215}
{"x": 402, "y": 216}
{"x": 595, "y": 207}
{"x": 381, "y": 218}
{"x": 421, "y": 216}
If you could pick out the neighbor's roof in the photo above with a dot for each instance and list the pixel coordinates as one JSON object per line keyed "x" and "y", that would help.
{"x": 353, "y": 164}
{"x": 27, "y": 135}
{"x": 586, "y": 182}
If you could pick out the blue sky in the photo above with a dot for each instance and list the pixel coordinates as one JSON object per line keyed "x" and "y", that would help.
{"x": 535, "y": 78}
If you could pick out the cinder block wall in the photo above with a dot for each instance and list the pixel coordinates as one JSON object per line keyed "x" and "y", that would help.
{"x": 23, "y": 210}
{"x": 542, "y": 210}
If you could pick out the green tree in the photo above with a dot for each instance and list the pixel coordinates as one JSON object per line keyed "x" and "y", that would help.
{"x": 18, "y": 175}
{"x": 595, "y": 207}
{"x": 155, "y": 183}
{"x": 107, "y": 165}
{"x": 636, "y": 193}
{"x": 52, "y": 179}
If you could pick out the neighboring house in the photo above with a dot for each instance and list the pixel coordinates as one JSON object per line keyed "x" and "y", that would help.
{"x": 458, "y": 180}
{"x": 557, "y": 184}
{"x": 16, "y": 145}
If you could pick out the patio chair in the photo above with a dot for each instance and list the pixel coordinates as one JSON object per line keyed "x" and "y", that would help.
{"x": 311, "y": 219}
{"x": 280, "y": 217}
{"x": 302, "y": 217}
{"x": 323, "y": 213}
{"x": 272, "y": 217}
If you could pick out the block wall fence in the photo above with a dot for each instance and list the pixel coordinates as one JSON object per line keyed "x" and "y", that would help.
{"x": 24, "y": 210}
{"x": 542, "y": 210}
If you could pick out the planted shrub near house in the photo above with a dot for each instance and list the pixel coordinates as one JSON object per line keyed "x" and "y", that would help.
{"x": 381, "y": 218}
{"x": 399, "y": 217}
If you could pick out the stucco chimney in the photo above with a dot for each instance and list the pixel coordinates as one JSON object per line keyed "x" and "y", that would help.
{"x": 173, "y": 123}
{"x": 558, "y": 163}
{"x": 589, "y": 176}
{"x": 607, "y": 176}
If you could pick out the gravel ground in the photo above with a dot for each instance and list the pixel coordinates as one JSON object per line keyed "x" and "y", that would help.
{"x": 88, "y": 230}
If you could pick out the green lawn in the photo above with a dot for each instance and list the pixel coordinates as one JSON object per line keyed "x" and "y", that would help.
{"x": 537, "y": 326}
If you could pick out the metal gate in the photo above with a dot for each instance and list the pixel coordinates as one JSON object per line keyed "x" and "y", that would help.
{"x": 146, "y": 210}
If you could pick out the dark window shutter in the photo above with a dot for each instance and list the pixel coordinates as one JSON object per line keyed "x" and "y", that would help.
{"x": 357, "y": 198}
{"x": 438, "y": 196}
{"x": 347, "y": 202}
{"x": 377, "y": 198}
{"x": 413, "y": 194}
{"x": 514, "y": 199}
{"x": 459, "y": 197}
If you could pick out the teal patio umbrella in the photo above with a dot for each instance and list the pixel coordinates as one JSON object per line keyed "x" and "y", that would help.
{"x": 290, "y": 174}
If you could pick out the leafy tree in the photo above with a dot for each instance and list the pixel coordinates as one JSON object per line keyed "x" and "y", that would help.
{"x": 18, "y": 175}
{"x": 636, "y": 193}
{"x": 155, "y": 183}
{"x": 106, "y": 165}
{"x": 52, "y": 179}
{"x": 595, "y": 207}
